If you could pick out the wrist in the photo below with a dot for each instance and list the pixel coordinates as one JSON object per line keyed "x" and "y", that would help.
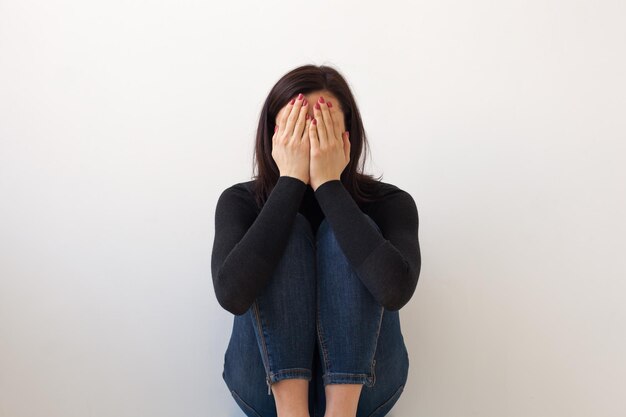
{"x": 319, "y": 184}
{"x": 298, "y": 177}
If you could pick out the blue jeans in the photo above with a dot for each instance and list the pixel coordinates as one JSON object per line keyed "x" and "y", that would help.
{"x": 316, "y": 320}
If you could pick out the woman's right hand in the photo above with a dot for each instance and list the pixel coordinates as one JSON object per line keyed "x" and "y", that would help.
{"x": 290, "y": 143}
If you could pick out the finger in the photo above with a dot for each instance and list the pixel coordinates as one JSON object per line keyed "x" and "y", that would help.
{"x": 293, "y": 115}
{"x": 336, "y": 116}
{"x": 302, "y": 118}
{"x": 313, "y": 138}
{"x": 281, "y": 119}
{"x": 328, "y": 121}
{"x": 319, "y": 124}
{"x": 307, "y": 128}
{"x": 346, "y": 146}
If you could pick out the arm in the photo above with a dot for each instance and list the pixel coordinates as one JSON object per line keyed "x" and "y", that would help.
{"x": 388, "y": 264}
{"x": 247, "y": 247}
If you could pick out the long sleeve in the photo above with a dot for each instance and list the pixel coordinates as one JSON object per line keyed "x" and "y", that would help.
{"x": 247, "y": 247}
{"x": 388, "y": 264}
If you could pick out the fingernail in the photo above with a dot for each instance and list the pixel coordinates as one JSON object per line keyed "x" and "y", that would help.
{"x": 314, "y": 121}
{"x": 275, "y": 129}
{"x": 300, "y": 96}
{"x": 321, "y": 100}
{"x": 293, "y": 100}
{"x": 329, "y": 104}
{"x": 317, "y": 106}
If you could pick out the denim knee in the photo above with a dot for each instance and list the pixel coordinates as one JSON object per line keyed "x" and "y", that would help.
{"x": 349, "y": 318}
{"x": 283, "y": 315}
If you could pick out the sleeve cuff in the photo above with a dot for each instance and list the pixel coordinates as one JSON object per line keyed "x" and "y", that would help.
{"x": 328, "y": 187}
{"x": 293, "y": 181}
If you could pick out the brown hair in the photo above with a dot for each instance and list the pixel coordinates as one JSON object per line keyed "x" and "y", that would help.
{"x": 306, "y": 79}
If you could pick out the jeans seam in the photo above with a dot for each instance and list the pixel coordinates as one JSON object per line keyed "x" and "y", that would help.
{"x": 320, "y": 336}
{"x": 380, "y": 322}
{"x": 257, "y": 316}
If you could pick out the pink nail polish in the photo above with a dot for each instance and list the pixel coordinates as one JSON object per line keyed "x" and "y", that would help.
{"x": 300, "y": 96}
{"x": 293, "y": 100}
{"x": 314, "y": 121}
{"x": 329, "y": 104}
{"x": 317, "y": 106}
{"x": 321, "y": 100}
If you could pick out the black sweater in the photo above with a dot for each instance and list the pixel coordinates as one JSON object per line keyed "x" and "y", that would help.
{"x": 249, "y": 241}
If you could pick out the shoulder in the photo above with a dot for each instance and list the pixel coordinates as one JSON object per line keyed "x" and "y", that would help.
{"x": 386, "y": 188}
{"x": 239, "y": 188}
{"x": 387, "y": 191}
{"x": 392, "y": 199}
{"x": 238, "y": 194}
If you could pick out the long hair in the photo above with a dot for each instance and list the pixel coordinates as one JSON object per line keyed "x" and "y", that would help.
{"x": 306, "y": 79}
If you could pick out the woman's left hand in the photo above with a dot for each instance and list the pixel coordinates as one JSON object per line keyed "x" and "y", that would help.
{"x": 330, "y": 147}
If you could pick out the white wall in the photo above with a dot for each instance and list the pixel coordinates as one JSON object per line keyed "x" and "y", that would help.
{"x": 122, "y": 121}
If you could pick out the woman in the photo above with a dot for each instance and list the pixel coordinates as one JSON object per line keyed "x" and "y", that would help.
{"x": 315, "y": 260}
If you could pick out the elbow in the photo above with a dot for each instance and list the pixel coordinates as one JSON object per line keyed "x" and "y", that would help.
{"x": 228, "y": 298}
{"x": 405, "y": 290}
{"x": 395, "y": 303}
{"x": 232, "y": 305}
{"x": 393, "y": 306}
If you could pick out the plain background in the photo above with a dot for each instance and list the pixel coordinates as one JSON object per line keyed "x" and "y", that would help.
{"x": 122, "y": 121}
